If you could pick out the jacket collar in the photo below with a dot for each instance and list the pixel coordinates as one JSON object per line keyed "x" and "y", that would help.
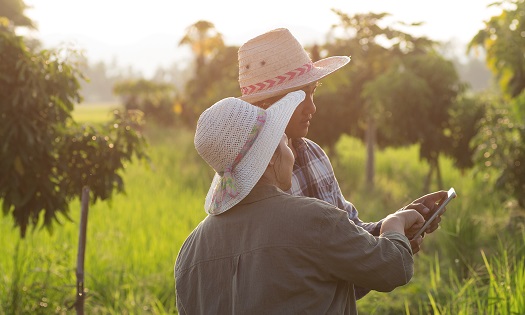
{"x": 261, "y": 191}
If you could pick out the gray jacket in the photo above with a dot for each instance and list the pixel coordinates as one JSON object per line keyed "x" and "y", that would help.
{"x": 274, "y": 253}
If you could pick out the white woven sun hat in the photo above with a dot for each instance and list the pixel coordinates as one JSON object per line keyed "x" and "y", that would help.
{"x": 275, "y": 63}
{"x": 238, "y": 139}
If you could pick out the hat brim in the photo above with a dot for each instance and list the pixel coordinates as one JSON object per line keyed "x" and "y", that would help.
{"x": 252, "y": 166}
{"x": 321, "y": 69}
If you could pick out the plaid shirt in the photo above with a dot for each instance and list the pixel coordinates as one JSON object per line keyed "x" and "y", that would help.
{"x": 313, "y": 176}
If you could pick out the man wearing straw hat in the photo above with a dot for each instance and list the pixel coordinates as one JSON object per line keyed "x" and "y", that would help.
{"x": 275, "y": 63}
{"x": 263, "y": 251}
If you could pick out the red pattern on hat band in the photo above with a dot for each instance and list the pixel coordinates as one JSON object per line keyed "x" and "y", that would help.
{"x": 250, "y": 89}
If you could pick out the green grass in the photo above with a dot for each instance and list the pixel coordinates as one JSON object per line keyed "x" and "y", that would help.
{"x": 94, "y": 112}
{"x": 132, "y": 242}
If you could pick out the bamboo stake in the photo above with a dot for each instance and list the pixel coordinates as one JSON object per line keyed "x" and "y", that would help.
{"x": 79, "y": 303}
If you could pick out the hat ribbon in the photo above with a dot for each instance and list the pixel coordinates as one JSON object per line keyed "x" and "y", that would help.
{"x": 280, "y": 79}
{"x": 227, "y": 185}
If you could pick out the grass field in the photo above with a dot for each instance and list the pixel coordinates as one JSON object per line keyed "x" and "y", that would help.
{"x": 474, "y": 264}
{"x": 94, "y": 112}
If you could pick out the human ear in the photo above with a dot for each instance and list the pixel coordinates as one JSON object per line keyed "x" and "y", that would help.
{"x": 275, "y": 156}
{"x": 273, "y": 159}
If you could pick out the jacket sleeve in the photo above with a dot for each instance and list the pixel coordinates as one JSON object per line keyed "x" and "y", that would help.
{"x": 351, "y": 253}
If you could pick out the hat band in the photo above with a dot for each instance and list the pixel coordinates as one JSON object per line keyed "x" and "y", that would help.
{"x": 227, "y": 184}
{"x": 290, "y": 75}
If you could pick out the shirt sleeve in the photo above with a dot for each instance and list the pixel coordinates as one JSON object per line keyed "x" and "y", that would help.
{"x": 372, "y": 227}
{"x": 349, "y": 252}
{"x": 340, "y": 202}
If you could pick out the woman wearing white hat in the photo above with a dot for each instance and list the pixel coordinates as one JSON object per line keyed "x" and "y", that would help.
{"x": 263, "y": 251}
{"x": 275, "y": 63}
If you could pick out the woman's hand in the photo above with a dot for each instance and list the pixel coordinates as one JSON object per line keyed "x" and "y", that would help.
{"x": 407, "y": 222}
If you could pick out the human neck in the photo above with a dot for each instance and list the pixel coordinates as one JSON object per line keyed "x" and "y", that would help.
{"x": 268, "y": 178}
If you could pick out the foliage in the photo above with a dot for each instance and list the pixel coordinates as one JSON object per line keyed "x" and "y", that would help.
{"x": 221, "y": 76}
{"x": 374, "y": 50}
{"x": 37, "y": 92}
{"x": 414, "y": 102}
{"x": 40, "y": 170}
{"x": 132, "y": 242}
{"x": 13, "y": 10}
{"x": 503, "y": 38}
{"x": 203, "y": 39}
{"x": 93, "y": 155}
{"x": 397, "y": 89}
{"x": 414, "y": 107}
{"x": 501, "y": 141}
{"x": 156, "y": 100}
{"x": 402, "y": 108}
{"x": 464, "y": 124}
{"x": 500, "y": 148}
{"x": 216, "y": 71}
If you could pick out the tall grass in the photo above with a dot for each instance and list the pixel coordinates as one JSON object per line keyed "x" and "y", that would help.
{"x": 478, "y": 233}
{"x": 498, "y": 287}
{"x": 474, "y": 262}
{"x": 132, "y": 242}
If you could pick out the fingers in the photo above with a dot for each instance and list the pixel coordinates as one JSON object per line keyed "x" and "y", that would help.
{"x": 425, "y": 204}
{"x": 421, "y": 208}
{"x": 415, "y": 244}
{"x": 434, "y": 225}
{"x": 429, "y": 200}
{"x": 412, "y": 219}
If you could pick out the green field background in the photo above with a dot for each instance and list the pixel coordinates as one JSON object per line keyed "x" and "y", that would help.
{"x": 472, "y": 265}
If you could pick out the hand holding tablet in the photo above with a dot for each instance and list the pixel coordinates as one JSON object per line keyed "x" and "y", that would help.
{"x": 441, "y": 207}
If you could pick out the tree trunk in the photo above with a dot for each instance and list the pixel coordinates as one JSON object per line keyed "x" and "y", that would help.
{"x": 438, "y": 174}
{"x": 428, "y": 179}
{"x": 370, "y": 151}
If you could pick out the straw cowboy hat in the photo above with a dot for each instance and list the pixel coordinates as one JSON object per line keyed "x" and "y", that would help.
{"x": 275, "y": 63}
{"x": 238, "y": 140}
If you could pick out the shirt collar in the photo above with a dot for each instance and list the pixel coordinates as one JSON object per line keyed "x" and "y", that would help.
{"x": 299, "y": 144}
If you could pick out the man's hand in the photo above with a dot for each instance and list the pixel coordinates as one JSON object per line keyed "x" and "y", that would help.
{"x": 426, "y": 205}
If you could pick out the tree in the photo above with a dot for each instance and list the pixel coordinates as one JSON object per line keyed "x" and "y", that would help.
{"x": 222, "y": 73}
{"x": 411, "y": 102}
{"x": 374, "y": 50}
{"x": 204, "y": 40}
{"x": 45, "y": 156}
{"x": 205, "y": 43}
{"x": 501, "y": 141}
{"x": 464, "y": 124}
{"x": 503, "y": 39}
{"x": 155, "y": 99}
{"x": 13, "y": 10}
{"x": 500, "y": 150}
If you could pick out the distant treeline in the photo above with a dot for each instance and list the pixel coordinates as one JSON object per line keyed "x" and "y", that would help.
{"x": 101, "y": 76}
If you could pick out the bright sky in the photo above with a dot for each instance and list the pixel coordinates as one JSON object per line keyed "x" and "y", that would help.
{"x": 145, "y": 34}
